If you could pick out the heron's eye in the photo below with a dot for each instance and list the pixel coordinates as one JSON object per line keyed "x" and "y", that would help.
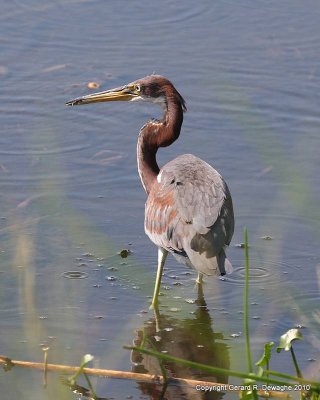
{"x": 137, "y": 88}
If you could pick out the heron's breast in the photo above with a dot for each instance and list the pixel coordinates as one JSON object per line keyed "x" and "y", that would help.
{"x": 160, "y": 212}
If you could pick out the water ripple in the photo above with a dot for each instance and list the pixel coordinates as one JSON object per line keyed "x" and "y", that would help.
{"x": 260, "y": 272}
{"x": 75, "y": 275}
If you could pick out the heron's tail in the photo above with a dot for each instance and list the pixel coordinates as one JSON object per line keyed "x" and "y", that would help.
{"x": 215, "y": 265}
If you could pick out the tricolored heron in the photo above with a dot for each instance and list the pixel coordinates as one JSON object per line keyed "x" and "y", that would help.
{"x": 189, "y": 209}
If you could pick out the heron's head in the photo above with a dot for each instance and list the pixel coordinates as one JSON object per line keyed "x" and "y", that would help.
{"x": 153, "y": 89}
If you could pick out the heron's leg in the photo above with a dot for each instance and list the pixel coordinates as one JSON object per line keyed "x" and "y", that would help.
{"x": 199, "y": 287}
{"x": 162, "y": 255}
{"x": 199, "y": 280}
{"x": 200, "y": 296}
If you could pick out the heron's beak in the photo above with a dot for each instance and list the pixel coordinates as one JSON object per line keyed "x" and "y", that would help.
{"x": 118, "y": 94}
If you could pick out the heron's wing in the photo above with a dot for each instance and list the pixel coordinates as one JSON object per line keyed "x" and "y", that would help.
{"x": 189, "y": 203}
{"x": 200, "y": 200}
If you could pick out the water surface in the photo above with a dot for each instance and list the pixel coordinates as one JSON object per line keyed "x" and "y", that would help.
{"x": 71, "y": 197}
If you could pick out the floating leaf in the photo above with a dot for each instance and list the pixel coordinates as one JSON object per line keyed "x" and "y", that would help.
{"x": 93, "y": 85}
{"x": 286, "y": 339}
{"x": 124, "y": 253}
{"x": 266, "y": 356}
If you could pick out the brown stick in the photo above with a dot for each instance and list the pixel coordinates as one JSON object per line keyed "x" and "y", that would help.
{"x": 133, "y": 376}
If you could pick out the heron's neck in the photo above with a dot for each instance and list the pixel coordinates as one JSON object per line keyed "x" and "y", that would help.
{"x": 157, "y": 134}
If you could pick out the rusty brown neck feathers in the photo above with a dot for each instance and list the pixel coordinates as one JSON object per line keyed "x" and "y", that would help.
{"x": 155, "y": 134}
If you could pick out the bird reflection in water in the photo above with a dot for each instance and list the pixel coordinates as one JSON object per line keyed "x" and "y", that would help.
{"x": 192, "y": 339}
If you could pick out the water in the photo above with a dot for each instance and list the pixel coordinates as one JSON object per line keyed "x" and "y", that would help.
{"x": 71, "y": 198}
